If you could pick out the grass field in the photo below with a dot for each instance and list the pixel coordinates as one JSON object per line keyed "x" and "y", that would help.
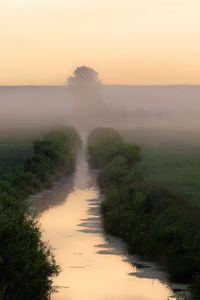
{"x": 12, "y": 156}
{"x": 171, "y": 158}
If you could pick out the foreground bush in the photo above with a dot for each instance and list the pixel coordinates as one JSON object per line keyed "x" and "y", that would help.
{"x": 152, "y": 220}
{"x": 27, "y": 264}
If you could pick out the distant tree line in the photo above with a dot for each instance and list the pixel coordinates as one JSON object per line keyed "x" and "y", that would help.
{"x": 27, "y": 264}
{"x": 152, "y": 220}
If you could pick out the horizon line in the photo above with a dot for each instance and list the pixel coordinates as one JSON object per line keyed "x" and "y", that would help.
{"x": 107, "y": 85}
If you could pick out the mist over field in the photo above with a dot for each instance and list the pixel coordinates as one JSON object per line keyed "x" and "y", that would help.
{"x": 100, "y": 150}
{"x": 125, "y": 106}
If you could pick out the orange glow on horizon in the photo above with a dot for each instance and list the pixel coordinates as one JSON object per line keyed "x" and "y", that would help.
{"x": 127, "y": 42}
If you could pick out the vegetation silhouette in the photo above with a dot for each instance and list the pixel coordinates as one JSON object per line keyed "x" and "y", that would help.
{"x": 153, "y": 221}
{"x": 27, "y": 264}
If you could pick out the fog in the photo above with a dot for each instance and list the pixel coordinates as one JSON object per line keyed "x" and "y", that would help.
{"x": 119, "y": 106}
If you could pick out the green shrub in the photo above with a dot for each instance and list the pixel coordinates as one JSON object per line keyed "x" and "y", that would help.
{"x": 27, "y": 265}
{"x": 113, "y": 173}
{"x": 41, "y": 166}
{"x": 103, "y": 145}
{"x": 151, "y": 219}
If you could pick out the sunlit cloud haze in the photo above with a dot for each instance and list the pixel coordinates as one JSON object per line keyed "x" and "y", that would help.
{"x": 126, "y": 41}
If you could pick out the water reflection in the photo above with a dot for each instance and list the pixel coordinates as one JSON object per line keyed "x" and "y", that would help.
{"x": 94, "y": 266}
{"x": 49, "y": 198}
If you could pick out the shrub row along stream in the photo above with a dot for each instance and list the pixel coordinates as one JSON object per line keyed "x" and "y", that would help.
{"x": 27, "y": 264}
{"x": 152, "y": 220}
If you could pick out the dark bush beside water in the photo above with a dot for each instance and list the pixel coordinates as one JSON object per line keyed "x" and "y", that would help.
{"x": 27, "y": 264}
{"x": 152, "y": 220}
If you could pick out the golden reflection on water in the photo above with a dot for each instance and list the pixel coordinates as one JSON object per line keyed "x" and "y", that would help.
{"x": 92, "y": 269}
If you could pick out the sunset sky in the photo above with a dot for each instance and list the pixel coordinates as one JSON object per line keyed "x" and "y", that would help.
{"x": 126, "y": 41}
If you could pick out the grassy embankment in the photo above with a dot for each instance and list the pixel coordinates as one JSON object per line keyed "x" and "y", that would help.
{"x": 27, "y": 265}
{"x": 153, "y": 220}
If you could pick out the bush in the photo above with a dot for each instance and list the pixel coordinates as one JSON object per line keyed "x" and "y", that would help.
{"x": 27, "y": 265}
{"x": 40, "y": 166}
{"x": 103, "y": 145}
{"x": 113, "y": 173}
{"x": 152, "y": 220}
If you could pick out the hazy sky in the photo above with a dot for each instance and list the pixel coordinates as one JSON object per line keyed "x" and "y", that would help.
{"x": 126, "y": 41}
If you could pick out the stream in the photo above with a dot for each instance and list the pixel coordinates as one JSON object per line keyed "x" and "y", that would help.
{"x": 94, "y": 265}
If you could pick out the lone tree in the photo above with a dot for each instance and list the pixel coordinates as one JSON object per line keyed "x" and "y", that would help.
{"x": 84, "y": 77}
{"x": 89, "y": 107}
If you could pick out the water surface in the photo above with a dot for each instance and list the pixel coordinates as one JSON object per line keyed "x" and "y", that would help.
{"x": 94, "y": 266}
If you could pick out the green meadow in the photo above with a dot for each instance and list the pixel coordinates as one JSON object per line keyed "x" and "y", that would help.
{"x": 170, "y": 158}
